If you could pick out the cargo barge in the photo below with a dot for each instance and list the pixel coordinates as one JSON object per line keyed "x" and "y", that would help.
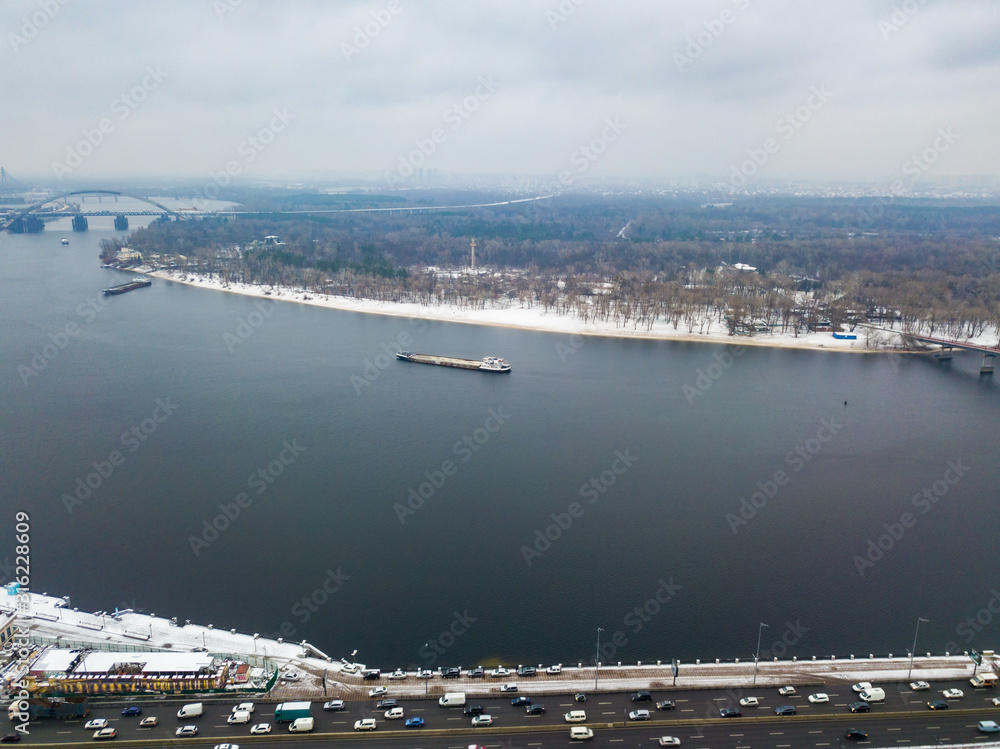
{"x": 135, "y": 283}
{"x": 486, "y": 364}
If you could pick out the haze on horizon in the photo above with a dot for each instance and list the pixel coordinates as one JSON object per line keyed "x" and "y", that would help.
{"x": 825, "y": 90}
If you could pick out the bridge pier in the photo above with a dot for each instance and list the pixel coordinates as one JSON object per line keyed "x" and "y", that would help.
{"x": 80, "y": 223}
{"x": 987, "y": 367}
{"x": 121, "y": 222}
{"x": 945, "y": 354}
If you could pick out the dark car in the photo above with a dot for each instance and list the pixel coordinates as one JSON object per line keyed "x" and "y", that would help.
{"x": 476, "y": 673}
{"x": 785, "y": 710}
{"x": 535, "y": 709}
{"x": 860, "y": 707}
{"x": 519, "y": 701}
{"x": 580, "y": 697}
{"x": 937, "y": 705}
{"x": 665, "y": 705}
{"x": 11, "y": 738}
{"x": 386, "y": 704}
{"x": 372, "y": 674}
{"x": 730, "y": 712}
{"x": 526, "y": 671}
{"x": 642, "y": 697}
{"x": 855, "y": 733}
{"x": 474, "y": 710}
{"x": 132, "y": 710}
{"x": 451, "y": 673}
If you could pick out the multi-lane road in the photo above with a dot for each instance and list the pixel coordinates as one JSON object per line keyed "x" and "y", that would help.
{"x": 902, "y": 720}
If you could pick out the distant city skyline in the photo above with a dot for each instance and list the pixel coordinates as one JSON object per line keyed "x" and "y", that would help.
{"x": 562, "y": 92}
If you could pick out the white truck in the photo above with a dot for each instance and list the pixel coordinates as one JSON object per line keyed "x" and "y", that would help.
{"x": 873, "y": 694}
{"x": 983, "y": 680}
{"x": 452, "y": 699}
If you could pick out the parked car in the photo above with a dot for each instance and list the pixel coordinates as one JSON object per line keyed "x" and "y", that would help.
{"x": 425, "y": 674}
{"x": 510, "y": 687}
{"x": 395, "y": 713}
{"x": 415, "y": 723}
{"x": 365, "y": 724}
{"x": 148, "y": 722}
{"x": 819, "y": 698}
{"x": 937, "y": 705}
{"x": 451, "y": 673}
{"x": 786, "y": 691}
{"x": 554, "y": 670}
{"x": 499, "y": 671}
{"x": 95, "y": 723}
{"x": 856, "y": 734}
{"x": 370, "y": 674}
{"x": 665, "y": 705}
{"x": 132, "y": 710}
{"x": 785, "y": 710}
{"x": 476, "y": 673}
{"x": 186, "y": 732}
{"x": 669, "y": 741}
{"x": 535, "y": 710}
{"x": 919, "y": 686}
{"x": 334, "y": 705}
{"x": 398, "y": 674}
{"x": 750, "y": 702}
{"x": 377, "y": 691}
{"x": 518, "y": 701}
{"x": 386, "y": 704}
{"x": 261, "y": 728}
{"x": 473, "y": 710}
{"x": 953, "y": 694}
{"x": 988, "y": 726}
{"x": 730, "y": 712}
{"x": 639, "y": 715}
{"x": 642, "y": 696}
{"x": 105, "y": 733}
{"x": 482, "y": 720}
{"x": 526, "y": 671}
{"x": 860, "y": 707}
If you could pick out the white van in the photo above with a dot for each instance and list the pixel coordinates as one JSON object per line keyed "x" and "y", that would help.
{"x": 873, "y": 694}
{"x": 452, "y": 699}
{"x": 194, "y": 710}
{"x": 239, "y": 716}
{"x": 576, "y": 716}
{"x": 301, "y": 725}
{"x": 580, "y": 733}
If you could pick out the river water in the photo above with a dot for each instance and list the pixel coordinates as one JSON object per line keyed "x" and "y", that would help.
{"x": 270, "y": 467}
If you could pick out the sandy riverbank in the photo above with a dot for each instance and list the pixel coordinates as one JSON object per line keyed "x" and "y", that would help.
{"x": 516, "y": 316}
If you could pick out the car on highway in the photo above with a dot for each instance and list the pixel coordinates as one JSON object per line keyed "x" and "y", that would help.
{"x": 750, "y": 702}
{"x": 996, "y": 700}
{"x": 669, "y": 741}
{"x": 334, "y": 705}
{"x": 553, "y": 670}
{"x": 476, "y": 673}
{"x": 580, "y": 733}
{"x": 377, "y": 691}
{"x": 508, "y": 687}
{"x": 580, "y": 697}
{"x": 988, "y": 726}
{"x": 243, "y": 707}
{"x": 953, "y": 694}
{"x": 132, "y": 710}
{"x": 519, "y": 701}
{"x": 575, "y": 716}
{"x": 937, "y": 705}
{"x": 786, "y": 691}
{"x": 859, "y": 707}
{"x": 730, "y": 712}
{"x": 240, "y": 716}
{"x": 365, "y": 724}
{"x": 526, "y": 671}
{"x": 386, "y": 704}
{"x": 819, "y": 698}
{"x": 395, "y": 713}
{"x": 473, "y": 710}
{"x": 639, "y": 715}
{"x": 482, "y": 720}
{"x": 861, "y": 686}
{"x": 414, "y": 723}
{"x": 186, "y": 732}
{"x": 148, "y": 722}
{"x": 665, "y": 705}
{"x": 261, "y": 728}
{"x": 919, "y": 686}
{"x": 856, "y": 734}
{"x": 642, "y": 696}
{"x": 785, "y": 710}
{"x": 105, "y": 733}
{"x": 226, "y": 746}
{"x": 535, "y": 710}
{"x": 10, "y": 738}
{"x": 398, "y": 674}
{"x": 95, "y": 724}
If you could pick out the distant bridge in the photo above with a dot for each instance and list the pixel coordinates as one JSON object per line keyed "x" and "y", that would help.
{"x": 33, "y": 209}
{"x": 947, "y": 347}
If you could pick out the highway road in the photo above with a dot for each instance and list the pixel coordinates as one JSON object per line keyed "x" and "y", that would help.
{"x": 903, "y": 720}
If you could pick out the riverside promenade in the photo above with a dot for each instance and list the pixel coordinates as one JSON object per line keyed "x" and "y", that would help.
{"x": 307, "y": 672}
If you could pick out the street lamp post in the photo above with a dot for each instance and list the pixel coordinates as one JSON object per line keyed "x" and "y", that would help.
{"x": 914, "y": 649}
{"x": 756, "y": 657}
{"x": 420, "y": 671}
{"x": 597, "y": 657}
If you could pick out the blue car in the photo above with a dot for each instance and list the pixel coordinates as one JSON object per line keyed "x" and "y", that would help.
{"x": 133, "y": 710}
{"x": 415, "y": 723}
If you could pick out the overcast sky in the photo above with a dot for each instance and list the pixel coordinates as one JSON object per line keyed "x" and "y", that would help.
{"x": 816, "y": 89}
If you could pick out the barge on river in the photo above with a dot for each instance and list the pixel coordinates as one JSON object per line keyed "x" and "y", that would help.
{"x": 486, "y": 364}
{"x": 135, "y": 283}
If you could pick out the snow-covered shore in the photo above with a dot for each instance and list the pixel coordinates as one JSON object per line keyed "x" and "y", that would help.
{"x": 513, "y": 315}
